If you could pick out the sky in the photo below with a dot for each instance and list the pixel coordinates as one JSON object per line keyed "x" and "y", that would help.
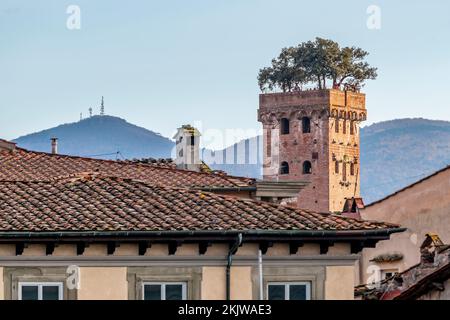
{"x": 161, "y": 64}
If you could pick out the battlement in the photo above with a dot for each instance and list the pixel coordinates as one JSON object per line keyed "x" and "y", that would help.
{"x": 325, "y": 98}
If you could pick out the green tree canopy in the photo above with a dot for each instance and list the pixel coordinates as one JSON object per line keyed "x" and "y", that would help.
{"x": 322, "y": 62}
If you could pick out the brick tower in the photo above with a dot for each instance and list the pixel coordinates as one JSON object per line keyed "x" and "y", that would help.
{"x": 313, "y": 136}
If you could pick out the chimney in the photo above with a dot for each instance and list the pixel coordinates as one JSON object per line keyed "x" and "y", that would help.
{"x": 54, "y": 145}
{"x": 187, "y": 140}
{"x": 353, "y": 207}
{"x": 7, "y": 145}
{"x": 429, "y": 247}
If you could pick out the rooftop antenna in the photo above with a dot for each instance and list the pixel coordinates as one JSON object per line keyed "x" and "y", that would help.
{"x": 81, "y": 116}
{"x": 102, "y": 108}
{"x": 90, "y": 112}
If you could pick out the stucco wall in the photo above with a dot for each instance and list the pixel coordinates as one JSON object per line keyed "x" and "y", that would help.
{"x": 241, "y": 283}
{"x": 339, "y": 283}
{"x": 2, "y": 287}
{"x": 213, "y": 283}
{"x": 423, "y": 208}
{"x": 97, "y": 283}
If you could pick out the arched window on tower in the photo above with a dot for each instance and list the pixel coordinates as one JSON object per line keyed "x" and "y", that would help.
{"x": 306, "y": 125}
{"x": 284, "y": 126}
{"x": 352, "y": 169}
{"x": 284, "y": 168}
{"x": 336, "y": 125}
{"x": 307, "y": 167}
{"x": 344, "y": 127}
{"x": 336, "y": 167}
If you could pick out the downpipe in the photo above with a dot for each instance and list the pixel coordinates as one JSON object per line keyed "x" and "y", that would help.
{"x": 232, "y": 251}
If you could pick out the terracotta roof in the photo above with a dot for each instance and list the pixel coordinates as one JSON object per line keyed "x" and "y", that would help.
{"x": 24, "y": 165}
{"x": 167, "y": 163}
{"x": 416, "y": 280}
{"x": 91, "y": 202}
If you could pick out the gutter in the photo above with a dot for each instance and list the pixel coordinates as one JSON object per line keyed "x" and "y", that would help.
{"x": 233, "y": 249}
{"x": 204, "y": 233}
{"x": 235, "y": 189}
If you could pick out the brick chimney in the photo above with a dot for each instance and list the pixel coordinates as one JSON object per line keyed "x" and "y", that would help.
{"x": 54, "y": 145}
{"x": 187, "y": 141}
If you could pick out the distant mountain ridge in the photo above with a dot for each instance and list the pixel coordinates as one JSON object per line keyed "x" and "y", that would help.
{"x": 101, "y": 137}
{"x": 394, "y": 153}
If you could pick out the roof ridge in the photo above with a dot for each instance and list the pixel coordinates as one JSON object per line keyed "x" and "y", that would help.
{"x": 125, "y": 163}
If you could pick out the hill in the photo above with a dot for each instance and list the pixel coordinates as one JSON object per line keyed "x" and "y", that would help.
{"x": 101, "y": 137}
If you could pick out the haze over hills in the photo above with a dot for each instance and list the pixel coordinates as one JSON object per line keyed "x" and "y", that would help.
{"x": 394, "y": 153}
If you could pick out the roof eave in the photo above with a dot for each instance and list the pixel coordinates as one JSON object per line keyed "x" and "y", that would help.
{"x": 199, "y": 235}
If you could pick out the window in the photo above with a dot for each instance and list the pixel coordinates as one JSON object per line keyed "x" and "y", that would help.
{"x": 352, "y": 127}
{"x": 344, "y": 171}
{"x": 306, "y": 125}
{"x": 284, "y": 168}
{"x": 284, "y": 126}
{"x": 40, "y": 291}
{"x": 307, "y": 168}
{"x": 336, "y": 125}
{"x": 344, "y": 127}
{"x": 289, "y": 291}
{"x": 386, "y": 274}
{"x": 336, "y": 167}
{"x": 164, "y": 291}
{"x": 192, "y": 140}
{"x": 352, "y": 169}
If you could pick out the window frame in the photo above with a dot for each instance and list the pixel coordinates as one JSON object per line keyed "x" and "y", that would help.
{"x": 306, "y": 124}
{"x": 309, "y": 163}
{"x": 287, "y": 285}
{"x": 163, "y": 285}
{"x": 285, "y": 126}
{"x": 284, "y": 168}
{"x": 40, "y": 286}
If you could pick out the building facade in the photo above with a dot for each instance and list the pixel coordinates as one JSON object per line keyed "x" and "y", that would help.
{"x": 90, "y": 236}
{"x": 422, "y": 208}
{"x": 313, "y": 136}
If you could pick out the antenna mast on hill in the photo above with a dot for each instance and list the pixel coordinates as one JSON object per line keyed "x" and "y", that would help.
{"x": 81, "y": 116}
{"x": 90, "y": 112}
{"x": 102, "y": 108}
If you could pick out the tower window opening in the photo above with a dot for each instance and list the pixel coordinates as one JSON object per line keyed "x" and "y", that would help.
{"x": 307, "y": 168}
{"x": 284, "y": 126}
{"x": 306, "y": 125}
{"x": 192, "y": 141}
{"x": 344, "y": 171}
{"x": 352, "y": 169}
{"x": 344, "y": 127}
{"x": 336, "y": 167}
{"x": 336, "y": 125}
{"x": 284, "y": 168}
{"x": 352, "y": 127}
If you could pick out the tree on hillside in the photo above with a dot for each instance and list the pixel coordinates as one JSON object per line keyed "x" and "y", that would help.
{"x": 322, "y": 62}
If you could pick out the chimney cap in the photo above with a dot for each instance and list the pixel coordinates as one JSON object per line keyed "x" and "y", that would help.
{"x": 188, "y": 129}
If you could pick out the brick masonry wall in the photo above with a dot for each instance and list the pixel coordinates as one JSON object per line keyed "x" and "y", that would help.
{"x": 322, "y": 146}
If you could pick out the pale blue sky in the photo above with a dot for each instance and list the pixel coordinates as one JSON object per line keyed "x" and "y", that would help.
{"x": 161, "y": 64}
